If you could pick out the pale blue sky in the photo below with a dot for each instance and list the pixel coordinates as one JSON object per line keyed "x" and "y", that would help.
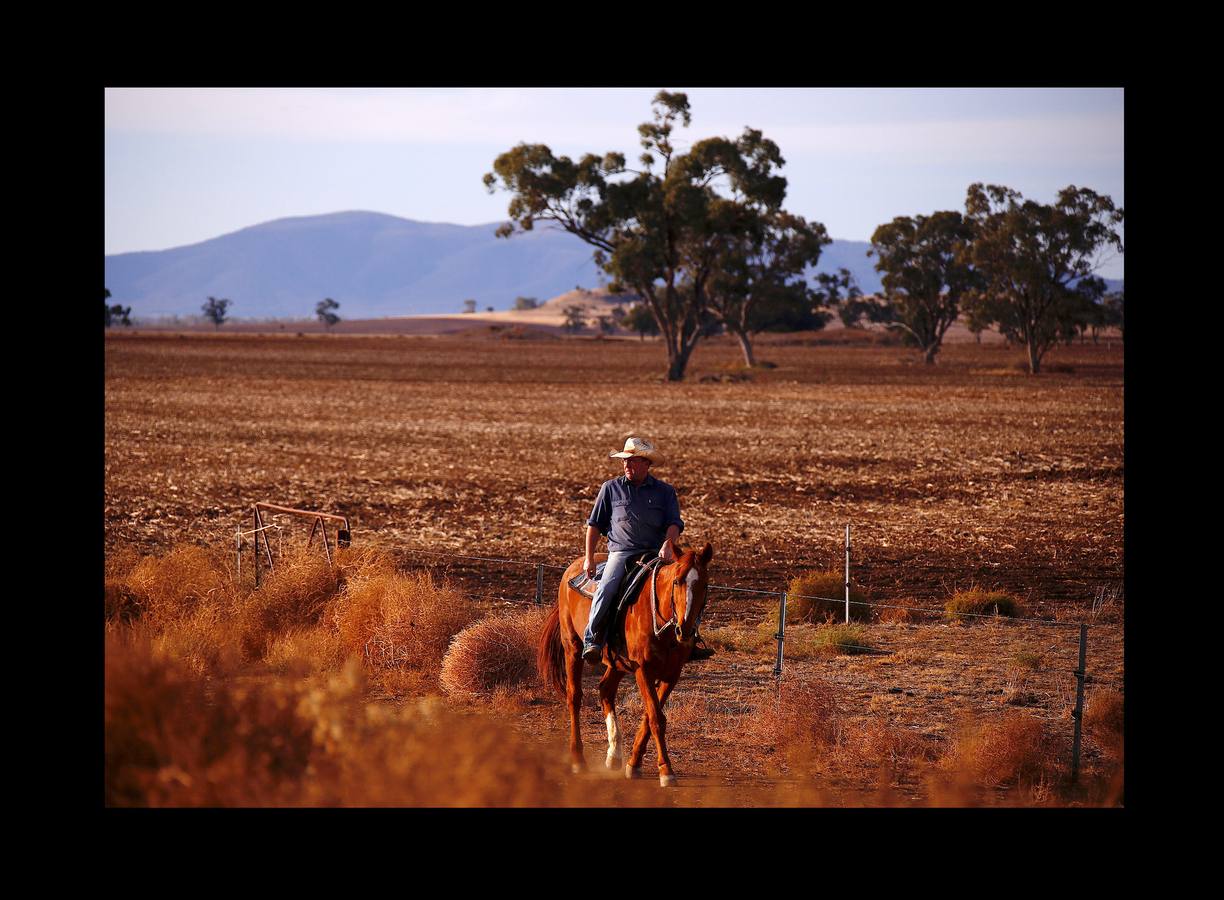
{"x": 185, "y": 165}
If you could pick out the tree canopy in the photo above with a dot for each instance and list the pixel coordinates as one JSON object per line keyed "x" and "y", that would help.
{"x": 1038, "y": 261}
{"x": 925, "y": 261}
{"x": 325, "y": 310}
{"x": 662, "y": 229}
{"x": 214, "y": 310}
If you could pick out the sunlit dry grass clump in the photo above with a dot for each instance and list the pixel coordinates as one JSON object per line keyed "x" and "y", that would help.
{"x": 170, "y": 743}
{"x": 800, "y": 716}
{"x": 829, "y": 585}
{"x": 1015, "y": 749}
{"x": 965, "y": 606}
{"x": 161, "y": 589}
{"x": 401, "y": 621}
{"x": 495, "y": 652}
{"x": 294, "y": 594}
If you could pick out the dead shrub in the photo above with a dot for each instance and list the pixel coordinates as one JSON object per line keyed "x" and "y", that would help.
{"x": 900, "y": 612}
{"x": 966, "y": 606}
{"x": 801, "y": 607}
{"x": 843, "y": 639}
{"x": 401, "y": 621}
{"x": 168, "y": 743}
{"x": 1104, "y": 715}
{"x": 495, "y": 652}
{"x": 294, "y": 594}
{"x": 1015, "y": 749}
{"x": 305, "y": 651}
{"x": 801, "y": 716}
{"x": 163, "y": 588}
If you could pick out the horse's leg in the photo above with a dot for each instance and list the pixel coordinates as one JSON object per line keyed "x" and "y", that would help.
{"x": 634, "y": 763}
{"x": 607, "y": 697}
{"x": 573, "y": 692}
{"x": 658, "y": 724}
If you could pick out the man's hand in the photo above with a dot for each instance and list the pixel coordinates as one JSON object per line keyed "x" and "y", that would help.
{"x": 588, "y": 566}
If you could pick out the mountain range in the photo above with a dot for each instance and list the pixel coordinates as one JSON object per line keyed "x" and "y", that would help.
{"x": 377, "y": 265}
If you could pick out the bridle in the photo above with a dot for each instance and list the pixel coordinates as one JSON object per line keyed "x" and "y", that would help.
{"x": 674, "y": 621}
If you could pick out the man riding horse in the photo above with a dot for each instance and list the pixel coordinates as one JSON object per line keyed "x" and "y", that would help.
{"x": 637, "y": 513}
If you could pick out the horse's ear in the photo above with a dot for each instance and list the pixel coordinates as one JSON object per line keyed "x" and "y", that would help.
{"x": 707, "y": 552}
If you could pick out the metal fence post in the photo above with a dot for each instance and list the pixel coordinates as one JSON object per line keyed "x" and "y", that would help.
{"x": 847, "y": 574}
{"x": 1078, "y": 713}
{"x": 539, "y": 598}
{"x": 781, "y": 633}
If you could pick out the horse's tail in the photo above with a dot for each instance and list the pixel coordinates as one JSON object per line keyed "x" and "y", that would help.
{"x": 550, "y": 655}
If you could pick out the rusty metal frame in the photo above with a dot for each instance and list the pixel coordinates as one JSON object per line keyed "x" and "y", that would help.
{"x": 319, "y": 524}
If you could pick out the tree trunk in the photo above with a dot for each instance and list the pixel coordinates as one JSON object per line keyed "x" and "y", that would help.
{"x": 746, "y": 346}
{"x": 677, "y": 360}
{"x": 928, "y": 355}
{"x": 1034, "y": 358}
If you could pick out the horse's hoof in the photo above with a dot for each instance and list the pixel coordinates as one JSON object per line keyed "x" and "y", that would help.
{"x": 667, "y": 780}
{"x": 631, "y": 772}
{"x": 577, "y": 768}
{"x": 612, "y": 761}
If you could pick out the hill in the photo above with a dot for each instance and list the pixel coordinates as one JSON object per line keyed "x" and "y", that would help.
{"x": 374, "y": 265}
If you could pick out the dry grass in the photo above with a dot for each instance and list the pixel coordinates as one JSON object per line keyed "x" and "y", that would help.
{"x": 400, "y": 621}
{"x": 498, "y": 652}
{"x": 800, "y": 717}
{"x": 286, "y": 743}
{"x": 1014, "y": 750}
{"x": 1104, "y": 718}
{"x": 843, "y": 639}
{"x": 294, "y": 594}
{"x": 162, "y": 589}
{"x": 967, "y": 606}
{"x": 801, "y": 607}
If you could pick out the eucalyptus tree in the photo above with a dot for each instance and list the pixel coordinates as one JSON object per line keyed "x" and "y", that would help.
{"x": 759, "y": 280}
{"x": 927, "y": 273}
{"x": 659, "y": 229}
{"x": 1038, "y": 261}
{"x": 215, "y": 311}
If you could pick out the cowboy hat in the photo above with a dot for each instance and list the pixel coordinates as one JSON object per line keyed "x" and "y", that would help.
{"x": 636, "y": 446}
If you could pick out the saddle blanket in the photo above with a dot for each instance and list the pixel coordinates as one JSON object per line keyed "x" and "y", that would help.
{"x": 587, "y": 585}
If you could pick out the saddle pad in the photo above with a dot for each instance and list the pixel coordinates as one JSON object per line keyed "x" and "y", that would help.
{"x": 586, "y": 586}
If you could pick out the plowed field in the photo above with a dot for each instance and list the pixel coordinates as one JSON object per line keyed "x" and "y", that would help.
{"x": 970, "y": 472}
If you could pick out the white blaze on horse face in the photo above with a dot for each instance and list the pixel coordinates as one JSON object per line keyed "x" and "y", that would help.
{"x": 689, "y": 582}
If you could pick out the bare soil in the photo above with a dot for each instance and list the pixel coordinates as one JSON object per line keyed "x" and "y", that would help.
{"x": 967, "y": 473}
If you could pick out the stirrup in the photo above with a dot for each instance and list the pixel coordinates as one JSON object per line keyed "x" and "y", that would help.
{"x": 700, "y": 650}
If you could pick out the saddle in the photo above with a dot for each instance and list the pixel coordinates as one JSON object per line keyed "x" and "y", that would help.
{"x": 637, "y": 568}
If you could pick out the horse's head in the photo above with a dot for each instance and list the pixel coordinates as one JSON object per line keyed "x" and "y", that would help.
{"x": 691, "y": 573}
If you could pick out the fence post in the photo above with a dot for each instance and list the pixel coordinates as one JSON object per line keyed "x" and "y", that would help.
{"x": 539, "y": 584}
{"x": 1078, "y": 713}
{"x": 781, "y": 633}
{"x": 847, "y": 574}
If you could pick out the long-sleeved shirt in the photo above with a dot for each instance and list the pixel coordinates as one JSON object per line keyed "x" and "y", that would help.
{"x": 635, "y": 517}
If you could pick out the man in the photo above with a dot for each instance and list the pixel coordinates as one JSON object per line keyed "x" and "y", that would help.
{"x": 637, "y": 513}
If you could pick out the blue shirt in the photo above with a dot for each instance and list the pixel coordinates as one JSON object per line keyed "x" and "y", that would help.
{"x": 635, "y": 518}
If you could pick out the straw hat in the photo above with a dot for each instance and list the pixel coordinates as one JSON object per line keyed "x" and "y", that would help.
{"x": 636, "y": 446}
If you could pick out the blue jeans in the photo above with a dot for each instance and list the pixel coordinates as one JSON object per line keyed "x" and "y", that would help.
{"x": 601, "y": 604}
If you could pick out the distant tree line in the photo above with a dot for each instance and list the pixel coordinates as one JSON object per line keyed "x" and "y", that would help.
{"x": 703, "y": 238}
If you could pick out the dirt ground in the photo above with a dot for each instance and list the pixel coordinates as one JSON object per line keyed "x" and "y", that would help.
{"x": 966, "y": 473}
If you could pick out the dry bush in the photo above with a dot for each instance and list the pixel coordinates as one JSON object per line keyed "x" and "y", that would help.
{"x": 400, "y": 621}
{"x": 164, "y": 588}
{"x": 288, "y": 743}
{"x": 1016, "y": 749}
{"x": 294, "y": 594}
{"x": 966, "y": 606}
{"x": 803, "y": 715}
{"x": 496, "y": 652}
{"x": 843, "y": 639}
{"x": 1104, "y": 716}
{"x": 901, "y": 612}
{"x": 800, "y": 607}
{"x": 305, "y": 651}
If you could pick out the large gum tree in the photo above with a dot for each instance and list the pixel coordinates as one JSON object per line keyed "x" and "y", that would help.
{"x": 662, "y": 229}
{"x": 927, "y": 272}
{"x": 1038, "y": 260}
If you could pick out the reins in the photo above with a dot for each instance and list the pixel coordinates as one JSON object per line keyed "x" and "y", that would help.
{"x": 654, "y": 602}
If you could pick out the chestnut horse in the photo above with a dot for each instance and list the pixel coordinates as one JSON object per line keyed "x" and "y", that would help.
{"x": 659, "y": 637}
